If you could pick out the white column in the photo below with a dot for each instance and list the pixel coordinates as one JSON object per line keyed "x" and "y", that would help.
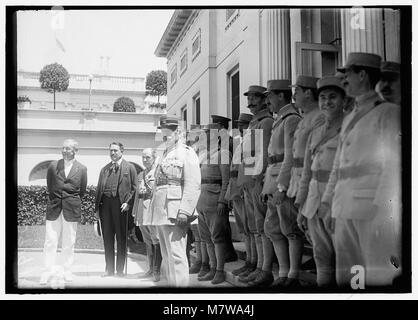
{"x": 278, "y": 44}
{"x": 392, "y": 34}
{"x": 362, "y": 31}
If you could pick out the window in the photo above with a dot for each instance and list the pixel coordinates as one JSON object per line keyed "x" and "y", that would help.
{"x": 230, "y": 16}
{"x": 233, "y": 102}
{"x": 173, "y": 75}
{"x": 196, "y": 45}
{"x": 196, "y": 105}
{"x": 183, "y": 62}
{"x": 184, "y": 115}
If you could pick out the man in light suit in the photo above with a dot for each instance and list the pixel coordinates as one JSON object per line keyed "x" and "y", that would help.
{"x": 114, "y": 199}
{"x": 176, "y": 192}
{"x": 364, "y": 186}
{"x": 66, "y": 182}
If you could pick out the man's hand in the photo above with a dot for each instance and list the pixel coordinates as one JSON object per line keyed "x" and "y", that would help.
{"x": 278, "y": 197}
{"x": 124, "y": 207}
{"x": 324, "y": 210}
{"x": 222, "y": 209}
{"x": 302, "y": 222}
{"x": 181, "y": 220}
{"x": 329, "y": 223}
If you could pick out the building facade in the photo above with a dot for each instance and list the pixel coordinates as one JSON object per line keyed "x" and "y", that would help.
{"x": 213, "y": 55}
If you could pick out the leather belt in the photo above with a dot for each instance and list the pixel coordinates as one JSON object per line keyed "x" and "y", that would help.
{"x": 165, "y": 181}
{"x": 211, "y": 181}
{"x": 321, "y": 175}
{"x": 358, "y": 171}
{"x": 298, "y": 162}
{"x": 233, "y": 174}
{"x": 145, "y": 196}
{"x": 275, "y": 158}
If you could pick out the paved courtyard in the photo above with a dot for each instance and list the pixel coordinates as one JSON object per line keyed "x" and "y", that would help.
{"x": 87, "y": 270}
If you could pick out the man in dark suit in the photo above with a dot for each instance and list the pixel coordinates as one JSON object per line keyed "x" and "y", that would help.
{"x": 66, "y": 183}
{"x": 114, "y": 199}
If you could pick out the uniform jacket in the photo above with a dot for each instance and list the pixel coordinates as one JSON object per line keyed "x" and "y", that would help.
{"x": 319, "y": 156}
{"x": 127, "y": 183}
{"x": 179, "y": 163}
{"x": 235, "y": 191}
{"x": 255, "y": 149}
{"x": 65, "y": 192}
{"x": 141, "y": 206}
{"x": 281, "y": 142}
{"x": 310, "y": 120}
{"x": 373, "y": 143}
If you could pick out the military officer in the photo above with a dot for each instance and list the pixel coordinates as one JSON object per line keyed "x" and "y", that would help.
{"x": 306, "y": 100}
{"x": 212, "y": 205}
{"x": 226, "y": 143}
{"x": 348, "y": 101}
{"x": 235, "y": 196}
{"x": 364, "y": 186}
{"x": 390, "y": 82}
{"x": 319, "y": 156}
{"x": 176, "y": 191}
{"x": 279, "y": 96}
{"x": 255, "y": 144}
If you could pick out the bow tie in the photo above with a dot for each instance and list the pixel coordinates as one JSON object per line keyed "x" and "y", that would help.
{"x": 114, "y": 167}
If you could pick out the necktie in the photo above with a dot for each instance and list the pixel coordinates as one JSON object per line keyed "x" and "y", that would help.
{"x": 115, "y": 167}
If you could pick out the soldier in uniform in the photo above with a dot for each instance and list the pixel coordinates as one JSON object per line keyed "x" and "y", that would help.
{"x": 226, "y": 143}
{"x": 348, "y": 101}
{"x": 390, "y": 82}
{"x": 364, "y": 187}
{"x": 306, "y": 100}
{"x": 176, "y": 191}
{"x": 142, "y": 215}
{"x": 255, "y": 144}
{"x": 279, "y": 96}
{"x": 319, "y": 156}
{"x": 235, "y": 196}
{"x": 212, "y": 205}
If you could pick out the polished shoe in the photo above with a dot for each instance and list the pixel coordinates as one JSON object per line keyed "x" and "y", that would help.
{"x": 107, "y": 274}
{"x": 250, "y": 277}
{"x": 246, "y": 272}
{"x": 204, "y": 269}
{"x": 279, "y": 282}
{"x": 147, "y": 274}
{"x": 120, "y": 275}
{"x": 208, "y": 276}
{"x": 263, "y": 279}
{"x": 68, "y": 276}
{"x": 157, "y": 277}
{"x": 45, "y": 278}
{"x": 292, "y": 283}
{"x": 195, "y": 268}
{"x": 219, "y": 277}
{"x": 238, "y": 271}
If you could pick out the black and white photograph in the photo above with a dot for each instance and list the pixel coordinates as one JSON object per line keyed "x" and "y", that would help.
{"x": 226, "y": 149}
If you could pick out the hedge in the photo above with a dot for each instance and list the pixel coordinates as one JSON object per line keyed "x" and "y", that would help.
{"x": 32, "y": 200}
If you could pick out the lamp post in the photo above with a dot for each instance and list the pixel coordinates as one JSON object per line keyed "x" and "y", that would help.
{"x": 90, "y": 80}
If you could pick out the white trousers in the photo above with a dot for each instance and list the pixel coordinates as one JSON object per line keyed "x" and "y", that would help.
{"x": 52, "y": 235}
{"x": 173, "y": 241}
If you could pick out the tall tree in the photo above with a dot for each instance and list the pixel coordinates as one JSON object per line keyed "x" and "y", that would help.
{"x": 54, "y": 78}
{"x": 156, "y": 83}
{"x": 124, "y": 104}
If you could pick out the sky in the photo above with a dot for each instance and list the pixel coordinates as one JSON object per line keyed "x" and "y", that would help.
{"x": 128, "y": 37}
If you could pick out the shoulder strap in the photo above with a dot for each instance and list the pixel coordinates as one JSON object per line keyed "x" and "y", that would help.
{"x": 327, "y": 136}
{"x": 358, "y": 116}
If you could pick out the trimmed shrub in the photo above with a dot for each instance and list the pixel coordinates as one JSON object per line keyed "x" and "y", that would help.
{"x": 158, "y": 105}
{"x": 32, "y": 201}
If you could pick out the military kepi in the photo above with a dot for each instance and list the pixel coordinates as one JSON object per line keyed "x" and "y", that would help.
{"x": 362, "y": 59}
{"x": 244, "y": 118}
{"x": 280, "y": 85}
{"x": 168, "y": 122}
{"x": 258, "y": 90}
{"x": 306, "y": 82}
{"x": 223, "y": 121}
{"x": 329, "y": 81}
{"x": 390, "y": 67}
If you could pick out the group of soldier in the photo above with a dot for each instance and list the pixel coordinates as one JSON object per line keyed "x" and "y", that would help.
{"x": 324, "y": 170}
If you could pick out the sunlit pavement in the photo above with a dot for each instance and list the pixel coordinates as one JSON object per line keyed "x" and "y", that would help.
{"x": 87, "y": 270}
